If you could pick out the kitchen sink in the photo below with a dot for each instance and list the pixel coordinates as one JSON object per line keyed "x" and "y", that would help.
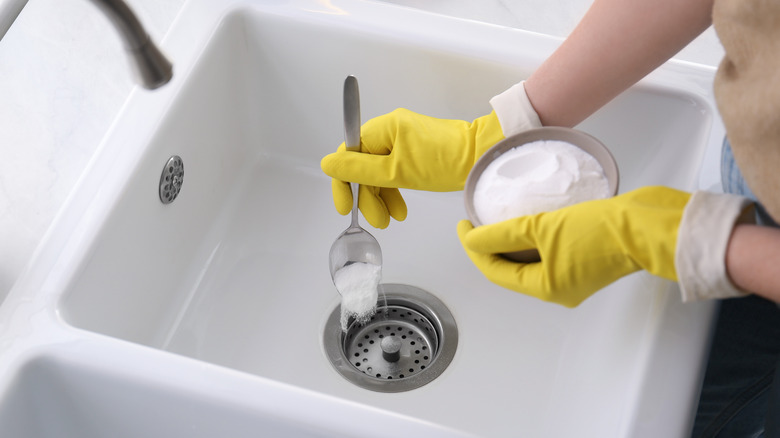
{"x": 204, "y": 303}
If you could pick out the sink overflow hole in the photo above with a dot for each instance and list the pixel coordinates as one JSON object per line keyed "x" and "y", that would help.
{"x": 171, "y": 179}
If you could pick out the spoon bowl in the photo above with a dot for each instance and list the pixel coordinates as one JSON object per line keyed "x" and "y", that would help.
{"x": 354, "y": 245}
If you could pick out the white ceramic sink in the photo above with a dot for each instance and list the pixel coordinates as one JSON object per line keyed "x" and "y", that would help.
{"x": 214, "y": 306}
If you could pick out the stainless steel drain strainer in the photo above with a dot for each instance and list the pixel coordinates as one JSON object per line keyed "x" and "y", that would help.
{"x": 409, "y": 342}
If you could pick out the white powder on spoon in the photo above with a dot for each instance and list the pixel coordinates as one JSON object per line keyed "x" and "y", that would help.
{"x": 540, "y": 176}
{"x": 358, "y": 285}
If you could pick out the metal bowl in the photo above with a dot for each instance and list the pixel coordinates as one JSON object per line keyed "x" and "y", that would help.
{"x": 584, "y": 141}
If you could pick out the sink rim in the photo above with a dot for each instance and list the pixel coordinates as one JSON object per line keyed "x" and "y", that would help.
{"x": 237, "y": 392}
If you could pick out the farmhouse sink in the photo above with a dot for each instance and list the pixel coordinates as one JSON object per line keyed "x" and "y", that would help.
{"x": 215, "y": 304}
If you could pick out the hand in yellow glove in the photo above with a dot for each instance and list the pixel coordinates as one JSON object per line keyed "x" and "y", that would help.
{"x": 403, "y": 149}
{"x": 587, "y": 246}
{"x": 407, "y": 150}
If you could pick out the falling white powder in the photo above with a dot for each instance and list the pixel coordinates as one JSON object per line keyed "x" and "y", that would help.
{"x": 537, "y": 177}
{"x": 358, "y": 285}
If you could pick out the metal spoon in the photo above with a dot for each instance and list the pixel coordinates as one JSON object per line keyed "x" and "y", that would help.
{"x": 354, "y": 245}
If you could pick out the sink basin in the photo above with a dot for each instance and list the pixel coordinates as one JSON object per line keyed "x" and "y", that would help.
{"x": 230, "y": 281}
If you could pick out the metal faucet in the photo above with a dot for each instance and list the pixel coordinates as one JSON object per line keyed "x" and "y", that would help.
{"x": 151, "y": 67}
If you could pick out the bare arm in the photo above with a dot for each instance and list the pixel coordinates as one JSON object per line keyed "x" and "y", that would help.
{"x": 753, "y": 260}
{"x": 615, "y": 45}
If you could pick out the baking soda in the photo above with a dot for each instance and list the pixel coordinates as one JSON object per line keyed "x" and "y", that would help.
{"x": 536, "y": 177}
{"x": 358, "y": 285}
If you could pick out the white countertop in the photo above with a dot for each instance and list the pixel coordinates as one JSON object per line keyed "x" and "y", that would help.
{"x": 64, "y": 77}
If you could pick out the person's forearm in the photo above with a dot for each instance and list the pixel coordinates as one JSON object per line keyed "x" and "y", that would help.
{"x": 753, "y": 260}
{"x": 615, "y": 45}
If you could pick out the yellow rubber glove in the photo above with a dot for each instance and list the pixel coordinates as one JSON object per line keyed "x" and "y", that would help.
{"x": 403, "y": 149}
{"x": 583, "y": 247}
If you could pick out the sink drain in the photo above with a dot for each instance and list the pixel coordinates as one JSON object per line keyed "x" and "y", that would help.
{"x": 409, "y": 342}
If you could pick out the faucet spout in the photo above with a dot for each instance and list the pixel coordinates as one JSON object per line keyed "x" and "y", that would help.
{"x": 151, "y": 67}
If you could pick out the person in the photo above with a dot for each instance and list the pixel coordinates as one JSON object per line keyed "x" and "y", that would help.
{"x": 714, "y": 244}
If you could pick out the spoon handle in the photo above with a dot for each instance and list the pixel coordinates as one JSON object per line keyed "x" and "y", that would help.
{"x": 352, "y": 131}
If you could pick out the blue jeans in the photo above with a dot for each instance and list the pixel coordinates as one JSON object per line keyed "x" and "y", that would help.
{"x": 741, "y": 392}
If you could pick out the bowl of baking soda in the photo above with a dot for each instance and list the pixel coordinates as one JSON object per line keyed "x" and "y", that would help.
{"x": 536, "y": 171}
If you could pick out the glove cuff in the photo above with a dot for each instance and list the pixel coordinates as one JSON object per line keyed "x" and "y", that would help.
{"x": 702, "y": 240}
{"x": 514, "y": 110}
